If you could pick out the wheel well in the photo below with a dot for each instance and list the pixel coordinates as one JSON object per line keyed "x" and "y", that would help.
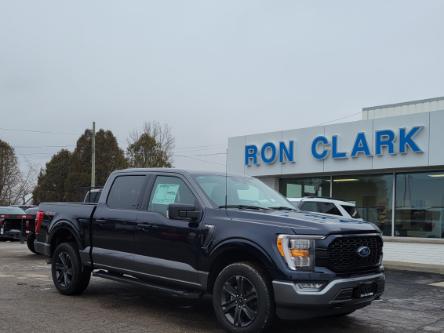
{"x": 61, "y": 236}
{"x": 236, "y": 255}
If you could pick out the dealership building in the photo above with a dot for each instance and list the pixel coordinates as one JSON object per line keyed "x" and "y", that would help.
{"x": 390, "y": 164}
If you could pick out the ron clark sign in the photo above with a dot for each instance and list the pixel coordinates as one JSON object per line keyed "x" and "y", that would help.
{"x": 386, "y": 141}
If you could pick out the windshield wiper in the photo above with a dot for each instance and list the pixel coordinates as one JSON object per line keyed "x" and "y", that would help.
{"x": 245, "y": 207}
{"x": 282, "y": 208}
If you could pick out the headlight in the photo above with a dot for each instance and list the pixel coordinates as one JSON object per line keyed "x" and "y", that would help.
{"x": 298, "y": 251}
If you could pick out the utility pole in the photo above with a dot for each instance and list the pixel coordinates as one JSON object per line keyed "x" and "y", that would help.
{"x": 93, "y": 157}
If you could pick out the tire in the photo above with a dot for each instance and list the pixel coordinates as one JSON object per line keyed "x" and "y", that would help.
{"x": 68, "y": 274}
{"x": 242, "y": 299}
{"x": 30, "y": 243}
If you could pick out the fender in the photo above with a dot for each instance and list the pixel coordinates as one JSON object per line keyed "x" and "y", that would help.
{"x": 246, "y": 245}
{"x": 64, "y": 225}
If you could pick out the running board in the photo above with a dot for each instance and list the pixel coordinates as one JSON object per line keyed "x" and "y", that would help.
{"x": 170, "y": 291}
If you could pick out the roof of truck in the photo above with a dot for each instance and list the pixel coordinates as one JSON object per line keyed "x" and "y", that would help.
{"x": 175, "y": 170}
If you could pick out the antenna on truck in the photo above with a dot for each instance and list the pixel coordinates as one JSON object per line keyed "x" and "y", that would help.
{"x": 226, "y": 179}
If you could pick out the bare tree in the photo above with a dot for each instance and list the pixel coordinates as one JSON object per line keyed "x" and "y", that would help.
{"x": 22, "y": 193}
{"x": 152, "y": 147}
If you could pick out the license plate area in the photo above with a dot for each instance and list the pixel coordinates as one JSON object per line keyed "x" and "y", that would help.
{"x": 365, "y": 290}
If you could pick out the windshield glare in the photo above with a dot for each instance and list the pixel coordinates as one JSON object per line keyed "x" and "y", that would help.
{"x": 241, "y": 191}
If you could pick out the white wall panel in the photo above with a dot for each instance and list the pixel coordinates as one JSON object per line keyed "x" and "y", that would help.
{"x": 422, "y": 140}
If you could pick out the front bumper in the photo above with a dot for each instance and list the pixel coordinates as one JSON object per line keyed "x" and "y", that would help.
{"x": 337, "y": 297}
{"x": 12, "y": 234}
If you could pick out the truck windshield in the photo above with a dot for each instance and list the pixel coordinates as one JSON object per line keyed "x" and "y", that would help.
{"x": 242, "y": 192}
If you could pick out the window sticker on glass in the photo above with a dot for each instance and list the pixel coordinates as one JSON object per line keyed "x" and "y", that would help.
{"x": 165, "y": 194}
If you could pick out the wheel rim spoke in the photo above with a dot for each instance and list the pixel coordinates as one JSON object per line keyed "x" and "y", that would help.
{"x": 62, "y": 258}
{"x": 249, "y": 312}
{"x": 237, "y": 316}
{"x": 63, "y": 269}
{"x": 229, "y": 289}
{"x": 240, "y": 285}
{"x": 251, "y": 296}
{"x": 227, "y": 307}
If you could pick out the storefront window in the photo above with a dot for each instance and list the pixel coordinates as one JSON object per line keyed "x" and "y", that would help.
{"x": 372, "y": 196}
{"x": 303, "y": 187}
{"x": 420, "y": 205}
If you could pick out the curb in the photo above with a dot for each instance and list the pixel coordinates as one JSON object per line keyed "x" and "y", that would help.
{"x": 414, "y": 267}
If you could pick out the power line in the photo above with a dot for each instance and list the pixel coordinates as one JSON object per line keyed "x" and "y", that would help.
{"x": 342, "y": 118}
{"x": 38, "y": 147}
{"x": 41, "y": 153}
{"x": 198, "y": 159}
{"x": 36, "y": 131}
{"x": 201, "y": 146}
{"x": 211, "y": 154}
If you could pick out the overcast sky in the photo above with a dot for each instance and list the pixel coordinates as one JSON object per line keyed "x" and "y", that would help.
{"x": 209, "y": 69}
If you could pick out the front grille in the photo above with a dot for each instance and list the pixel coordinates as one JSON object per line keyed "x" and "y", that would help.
{"x": 341, "y": 255}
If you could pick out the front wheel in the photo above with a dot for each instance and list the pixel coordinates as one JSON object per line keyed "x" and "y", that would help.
{"x": 68, "y": 274}
{"x": 242, "y": 299}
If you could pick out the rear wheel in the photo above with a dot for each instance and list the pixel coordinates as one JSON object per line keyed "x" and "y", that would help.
{"x": 242, "y": 299}
{"x": 68, "y": 274}
{"x": 30, "y": 243}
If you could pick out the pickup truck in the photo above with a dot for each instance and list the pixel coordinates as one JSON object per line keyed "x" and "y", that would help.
{"x": 189, "y": 234}
{"x": 16, "y": 224}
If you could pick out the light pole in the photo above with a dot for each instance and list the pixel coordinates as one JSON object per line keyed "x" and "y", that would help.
{"x": 93, "y": 156}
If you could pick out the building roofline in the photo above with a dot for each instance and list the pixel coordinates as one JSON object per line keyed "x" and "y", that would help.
{"x": 435, "y": 99}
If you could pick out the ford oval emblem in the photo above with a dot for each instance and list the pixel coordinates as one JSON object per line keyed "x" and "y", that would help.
{"x": 363, "y": 251}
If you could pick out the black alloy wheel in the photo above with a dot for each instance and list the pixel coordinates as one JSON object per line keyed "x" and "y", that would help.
{"x": 70, "y": 277}
{"x": 243, "y": 299}
{"x": 239, "y": 301}
{"x": 64, "y": 269}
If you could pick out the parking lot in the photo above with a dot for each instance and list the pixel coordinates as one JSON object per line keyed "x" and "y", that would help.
{"x": 29, "y": 303}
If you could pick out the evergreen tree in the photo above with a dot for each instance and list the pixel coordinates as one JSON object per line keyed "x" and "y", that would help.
{"x": 109, "y": 157}
{"x": 51, "y": 180}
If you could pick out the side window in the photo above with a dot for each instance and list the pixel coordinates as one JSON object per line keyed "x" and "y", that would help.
{"x": 168, "y": 190}
{"x": 328, "y": 208}
{"x": 310, "y": 206}
{"x": 126, "y": 192}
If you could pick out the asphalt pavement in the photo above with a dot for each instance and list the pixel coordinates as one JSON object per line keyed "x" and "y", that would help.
{"x": 30, "y": 303}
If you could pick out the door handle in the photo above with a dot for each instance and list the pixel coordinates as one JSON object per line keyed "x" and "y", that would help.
{"x": 144, "y": 227}
{"x": 101, "y": 222}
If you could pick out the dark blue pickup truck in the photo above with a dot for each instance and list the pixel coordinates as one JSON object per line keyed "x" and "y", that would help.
{"x": 194, "y": 233}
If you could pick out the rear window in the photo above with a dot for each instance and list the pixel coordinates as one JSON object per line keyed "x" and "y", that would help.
{"x": 126, "y": 192}
{"x": 320, "y": 207}
{"x": 352, "y": 211}
{"x": 11, "y": 210}
{"x": 32, "y": 211}
{"x": 310, "y": 206}
{"x": 328, "y": 208}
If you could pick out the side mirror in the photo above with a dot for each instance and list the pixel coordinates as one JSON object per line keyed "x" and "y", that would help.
{"x": 183, "y": 212}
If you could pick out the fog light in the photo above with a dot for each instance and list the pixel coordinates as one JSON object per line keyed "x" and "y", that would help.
{"x": 310, "y": 286}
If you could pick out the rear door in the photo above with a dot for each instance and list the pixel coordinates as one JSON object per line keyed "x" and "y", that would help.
{"x": 168, "y": 249}
{"x": 115, "y": 222}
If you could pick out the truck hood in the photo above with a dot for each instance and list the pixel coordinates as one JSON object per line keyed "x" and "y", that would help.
{"x": 304, "y": 222}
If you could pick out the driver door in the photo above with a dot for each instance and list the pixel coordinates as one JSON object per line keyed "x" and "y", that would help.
{"x": 168, "y": 249}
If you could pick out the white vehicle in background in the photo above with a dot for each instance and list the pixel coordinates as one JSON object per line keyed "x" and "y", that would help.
{"x": 326, "y": 206}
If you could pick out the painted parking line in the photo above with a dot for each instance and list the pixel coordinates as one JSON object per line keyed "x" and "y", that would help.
{"x": 437, "y": 284}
